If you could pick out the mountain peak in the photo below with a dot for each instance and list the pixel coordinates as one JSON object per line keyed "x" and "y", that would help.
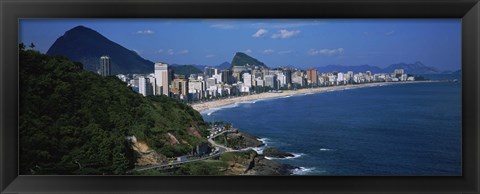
{"x": 82, "y": 30}
{"x": 242, "y": 59}
{"x": 86, "y": 45}
{"x": 80, "y": 27}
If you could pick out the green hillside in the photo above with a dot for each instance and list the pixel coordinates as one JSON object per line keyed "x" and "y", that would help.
{"x": 73, "y": 121}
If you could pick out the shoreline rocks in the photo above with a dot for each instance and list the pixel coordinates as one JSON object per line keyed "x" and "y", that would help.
{"x": 276, "y": 153}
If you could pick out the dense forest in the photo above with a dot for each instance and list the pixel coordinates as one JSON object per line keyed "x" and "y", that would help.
{"x": 72, "y": 121}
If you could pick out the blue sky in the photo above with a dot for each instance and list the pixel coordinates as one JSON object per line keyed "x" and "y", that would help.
{"x": 296, "y": 42}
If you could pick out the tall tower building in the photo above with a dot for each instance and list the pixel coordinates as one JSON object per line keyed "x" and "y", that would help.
{"x": 144, "y": 86}
{"x": 162, "y": 80}
{"x": 105, "y": 67}
{"x": 227, "y": 76}
{"x": 312, "y": 77}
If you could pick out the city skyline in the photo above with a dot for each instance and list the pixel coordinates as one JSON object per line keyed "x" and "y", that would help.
{"x": 293, "y": 42}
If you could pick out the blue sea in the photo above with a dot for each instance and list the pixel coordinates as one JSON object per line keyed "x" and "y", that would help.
{"x": 398, "y": 130}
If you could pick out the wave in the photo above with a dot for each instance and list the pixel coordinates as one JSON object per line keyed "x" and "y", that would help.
{"x": 286, "y": 158}
{"x": 326, "y": 149}
{"x": 302, "y": 170}
{"x": 247, "y": 102}
{"x": 292, "y": 157}
{"x": 260, "y": 149}
{"x": 263, "y": 140}
{"x": 209, "y": 112}
{"x": 295, "y": 156}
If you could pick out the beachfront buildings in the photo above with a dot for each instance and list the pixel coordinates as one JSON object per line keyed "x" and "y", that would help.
{"x": 214, "y": 83}
{"x": 271, "y": 81}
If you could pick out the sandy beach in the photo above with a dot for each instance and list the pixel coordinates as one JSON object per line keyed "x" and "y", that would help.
{"x": 228, "y": 101}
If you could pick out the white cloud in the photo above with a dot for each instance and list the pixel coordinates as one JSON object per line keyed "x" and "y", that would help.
{"x": 183, "y": 52}
{"x": 284, "y": 52}
{"x": 285, "y": 33}
{"x": 248, "y": 51}
{"x": 223, "y": 26}
{"x": 326, "y": 51}
{"x": 146, "y": 32}
{"x": 268, "y": 51}
{"x": 261, "y": 32}
{"x": 173, "y": 52}
{"x": 390, "y": 33}
{"x": 210, "y": 56}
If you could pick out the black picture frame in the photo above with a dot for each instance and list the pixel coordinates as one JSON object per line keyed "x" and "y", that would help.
{"x": 11, "y": 11}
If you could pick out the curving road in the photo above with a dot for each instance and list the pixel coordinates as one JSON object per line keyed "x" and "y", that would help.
{"x": 221, "y": 149}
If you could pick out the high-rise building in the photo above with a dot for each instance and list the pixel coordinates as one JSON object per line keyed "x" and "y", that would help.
{"x": 211, "y": 82}
{"x": 259, "y": 82}
{"x": 298, "y": 79}
{"x": 144, "y": 86}
{"x": 312, "y": 77}
{"x": 398, "y": 72}
{"x": 210, "y": 71}
{"x": 247, "y": 79}
{"x": 180, "y": 88}
{"x": 105, "y": 67}
{"x": 237, "y": 72}
{"x": 162, "y": 80}
{"x": 282, "y": 80}
{"x": 288, "y": 76}
{"x": 271, "y": 81}
{"x": 196, "y": 88}
{"x": 349, "y": 77}
{"x": 227, "y": 77}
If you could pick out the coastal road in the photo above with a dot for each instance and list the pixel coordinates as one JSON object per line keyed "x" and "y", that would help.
{"x": 221, "y": 149}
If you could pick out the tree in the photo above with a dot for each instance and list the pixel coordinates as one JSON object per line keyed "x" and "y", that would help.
{"x": 32, "y": 45}
{"x": 21, "y": 46}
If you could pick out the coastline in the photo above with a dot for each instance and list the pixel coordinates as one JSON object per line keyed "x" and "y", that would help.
{"x": 201, "y": 107}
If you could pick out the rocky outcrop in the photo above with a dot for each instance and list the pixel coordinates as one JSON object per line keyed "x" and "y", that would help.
{"x": 172, "y": 140}
{"x": 193, "y": 132}
{"x": 275, "y": 153}
{"x": 241, "y": 140}
{"x": 250, "y": 163}
{"x": 270, "y": 167}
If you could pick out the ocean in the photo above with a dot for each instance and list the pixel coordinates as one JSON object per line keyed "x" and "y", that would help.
{"x": 392, "y": 130}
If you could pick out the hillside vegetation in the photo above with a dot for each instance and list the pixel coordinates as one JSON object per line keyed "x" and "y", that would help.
{"x": 73, "y": 121}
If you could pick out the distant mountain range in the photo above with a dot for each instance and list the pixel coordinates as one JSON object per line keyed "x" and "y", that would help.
{"x": 414, "y": 68}
{"x": 85, "y": 45}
